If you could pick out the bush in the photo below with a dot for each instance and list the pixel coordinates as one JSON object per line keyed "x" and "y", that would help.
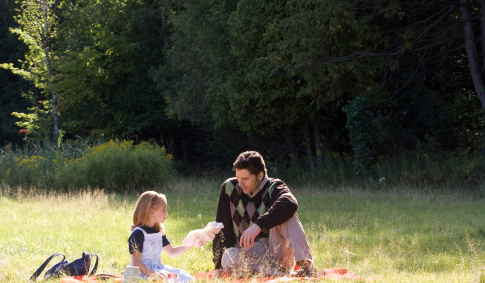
{"x": 114, "y": 166}
{"x": 118, "y": 166}
{"x": 29, "y": 169}
{"x": 361, "y": 133}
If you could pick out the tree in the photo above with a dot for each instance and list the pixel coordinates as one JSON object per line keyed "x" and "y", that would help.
{"x": 11, "y": 85}
{"x": 199, "y": 61}
{"x": 238, "y": 64}
{"x": 263, "y": 66}
{"x": 111, "y": 51}
{"x": 431, "y": 37}
{"x": 477, "y": 71}
{"x": 108, "y": 50}
{"x": 37, "y": 29}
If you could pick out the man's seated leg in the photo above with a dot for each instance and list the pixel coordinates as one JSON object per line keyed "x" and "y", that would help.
{"x": 253, "y": 262}
{"x": 231, "y": 260}
{"x": 287, "y": 242}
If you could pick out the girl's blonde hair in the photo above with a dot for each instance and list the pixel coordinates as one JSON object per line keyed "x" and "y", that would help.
{"x": 147, "y": 202}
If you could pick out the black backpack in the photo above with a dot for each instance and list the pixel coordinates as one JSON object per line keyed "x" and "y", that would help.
{"x": 77, "y": 267}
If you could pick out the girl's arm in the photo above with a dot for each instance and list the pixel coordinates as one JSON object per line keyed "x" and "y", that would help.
{"x": 143, "y": 268}
{"x": 176, "y": 251}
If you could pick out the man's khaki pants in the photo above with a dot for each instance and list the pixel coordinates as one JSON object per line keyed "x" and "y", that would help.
{"x": 270, "y": 257}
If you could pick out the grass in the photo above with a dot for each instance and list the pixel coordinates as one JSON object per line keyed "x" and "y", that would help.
{"x": 402, "y": 235}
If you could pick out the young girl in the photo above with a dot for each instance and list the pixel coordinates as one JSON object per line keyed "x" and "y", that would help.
{"x": 148, "y": 239}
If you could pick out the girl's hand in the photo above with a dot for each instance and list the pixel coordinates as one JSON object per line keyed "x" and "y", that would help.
{"x": 163, "y": 274}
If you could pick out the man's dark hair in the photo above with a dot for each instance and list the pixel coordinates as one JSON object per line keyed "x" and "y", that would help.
{"x": 251, "y": 161}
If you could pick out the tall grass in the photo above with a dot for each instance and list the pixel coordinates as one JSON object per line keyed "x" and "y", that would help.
{"x": 404, "y": 235}
{"x": 441, "y": 170}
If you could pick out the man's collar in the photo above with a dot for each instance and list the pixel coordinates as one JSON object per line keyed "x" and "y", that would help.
{"x": 260, "y": 187}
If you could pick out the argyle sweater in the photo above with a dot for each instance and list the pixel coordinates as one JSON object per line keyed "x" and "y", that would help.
{"x": 272, "y": 206}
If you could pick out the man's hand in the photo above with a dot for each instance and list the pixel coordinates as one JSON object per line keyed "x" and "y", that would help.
{"x": 247, "y": 238}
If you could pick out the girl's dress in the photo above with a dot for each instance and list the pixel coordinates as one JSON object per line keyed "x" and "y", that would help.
{"x": 151, "y": 257}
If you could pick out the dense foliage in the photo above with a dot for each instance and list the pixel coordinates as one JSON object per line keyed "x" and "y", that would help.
{"x": 11, "y": 86}
{"x": 299, "y": 81}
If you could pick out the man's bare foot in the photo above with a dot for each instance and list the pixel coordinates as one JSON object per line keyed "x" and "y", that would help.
{"x": 307, "y": 269}
{"x": 218, "y": 273}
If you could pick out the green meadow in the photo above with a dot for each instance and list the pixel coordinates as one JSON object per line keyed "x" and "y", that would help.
{"x": 400, "y": 235}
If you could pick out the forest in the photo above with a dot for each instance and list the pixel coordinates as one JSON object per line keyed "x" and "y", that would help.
{"x": 334, "y": 89}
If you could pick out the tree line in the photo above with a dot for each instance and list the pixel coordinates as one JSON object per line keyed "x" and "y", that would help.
{"x": 209, "y": 79}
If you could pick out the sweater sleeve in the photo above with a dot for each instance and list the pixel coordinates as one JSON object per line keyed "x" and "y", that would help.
{"x": 283, "y": 207}
{"x": 226, "y": 237}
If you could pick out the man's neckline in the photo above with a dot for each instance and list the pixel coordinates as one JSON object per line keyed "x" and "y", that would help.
{"x": 263, "y": 183}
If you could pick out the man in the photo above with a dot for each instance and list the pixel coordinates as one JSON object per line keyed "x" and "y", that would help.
{"x": 262, "y": 233}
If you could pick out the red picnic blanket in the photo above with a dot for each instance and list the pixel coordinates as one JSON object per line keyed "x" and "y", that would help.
{"x": 335, "y": 274}
{"x": 88, "y": 279}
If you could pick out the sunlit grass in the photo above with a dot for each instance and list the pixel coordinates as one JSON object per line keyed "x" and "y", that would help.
{"x": 402, "y": 235}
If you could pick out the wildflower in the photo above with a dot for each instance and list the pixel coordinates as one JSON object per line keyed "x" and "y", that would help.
{"x": 23, "y": 131}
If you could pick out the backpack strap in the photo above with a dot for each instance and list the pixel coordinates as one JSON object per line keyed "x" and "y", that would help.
{"x": 95, "y": 268}
{"x": 46, "y": 262}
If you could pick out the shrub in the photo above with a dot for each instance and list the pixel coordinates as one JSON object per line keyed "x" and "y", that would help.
{"x": 361, "y": 133}
{"x": 117, "y": 166}
{"x": 113, "y": 166}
